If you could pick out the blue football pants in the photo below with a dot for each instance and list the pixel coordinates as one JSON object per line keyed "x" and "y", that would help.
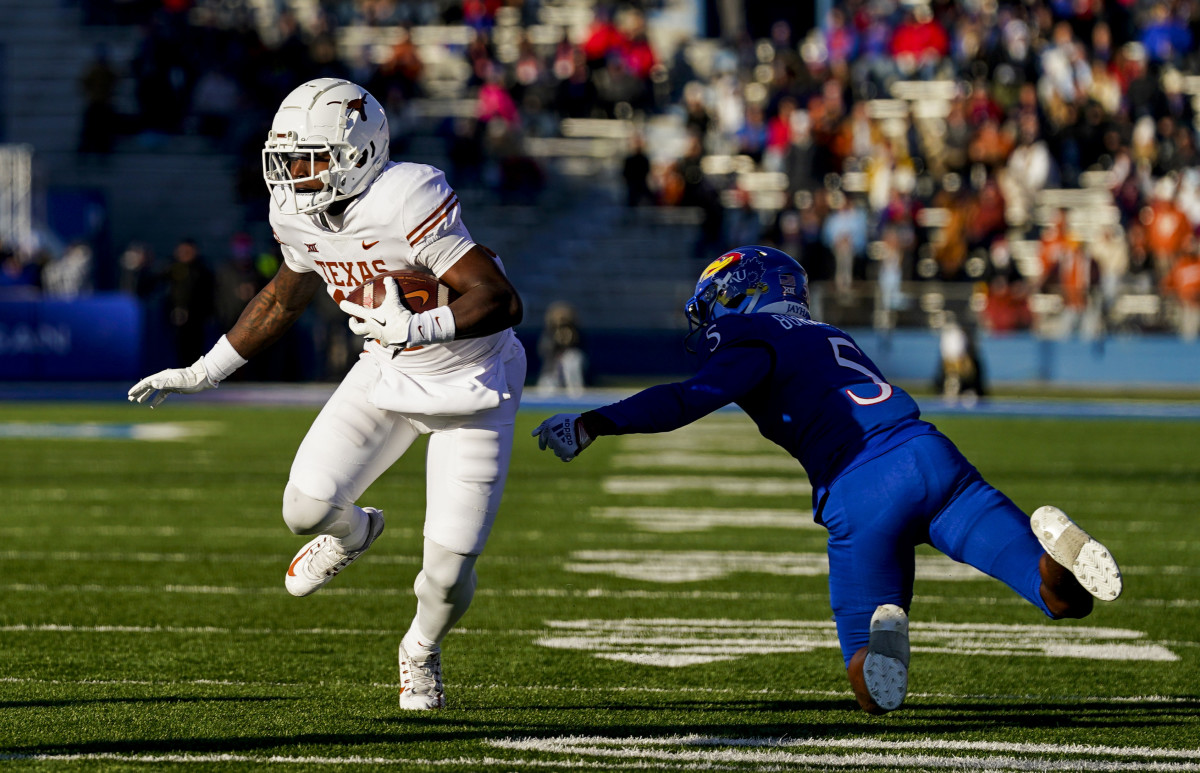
{"x": 923, "y": 491}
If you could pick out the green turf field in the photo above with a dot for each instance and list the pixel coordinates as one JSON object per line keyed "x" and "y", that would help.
{"x": 659, "y": 604}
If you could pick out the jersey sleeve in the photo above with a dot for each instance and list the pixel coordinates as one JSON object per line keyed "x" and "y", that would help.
{"x": 291, "y": 257}
{"x": 433, "y": 226}
{"x": 726, "y": 376}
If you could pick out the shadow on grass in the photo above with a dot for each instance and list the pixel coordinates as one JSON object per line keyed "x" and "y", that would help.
{"x": 828, "y": 719}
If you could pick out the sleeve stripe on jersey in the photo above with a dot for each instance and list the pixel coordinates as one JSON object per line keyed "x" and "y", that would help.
{"x": 443, "y": 209}
{"x": 435, "y": 222}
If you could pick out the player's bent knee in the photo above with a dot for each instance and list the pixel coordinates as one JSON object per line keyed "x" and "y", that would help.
{"x": 304, "y": 514}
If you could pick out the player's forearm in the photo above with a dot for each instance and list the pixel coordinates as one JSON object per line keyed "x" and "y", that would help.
{"x": 486, "y": 309}
{"x": 724, "y": 379}
{"x": 270, "y": 313}
{"x": 262, "y": 323}
{"x": 661, "y": 408}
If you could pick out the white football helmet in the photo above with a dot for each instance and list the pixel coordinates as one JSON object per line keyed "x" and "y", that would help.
{"x": 325, "y": 116}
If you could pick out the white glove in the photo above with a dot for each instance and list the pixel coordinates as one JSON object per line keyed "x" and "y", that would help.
{"x": 563, "y": 434}
{"x": 184, "y": 380}
{"x": 388, "y": 322}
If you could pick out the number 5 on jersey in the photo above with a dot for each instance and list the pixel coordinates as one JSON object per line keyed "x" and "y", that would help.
{"x": 885, "y": 389}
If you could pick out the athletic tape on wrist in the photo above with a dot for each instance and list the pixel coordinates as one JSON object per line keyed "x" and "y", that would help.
{"x": 435, "y": 326}
{"x": 222, "y": 360}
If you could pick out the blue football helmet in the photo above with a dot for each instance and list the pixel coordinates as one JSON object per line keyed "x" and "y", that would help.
{"x": 749, "y": 280}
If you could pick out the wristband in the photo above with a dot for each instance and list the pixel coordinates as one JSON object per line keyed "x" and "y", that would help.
{"x": 222, "y": 360}
{"x": 435, "y": 326}
{"x": 597, "y": 424}
{"x": 581, "y": 434}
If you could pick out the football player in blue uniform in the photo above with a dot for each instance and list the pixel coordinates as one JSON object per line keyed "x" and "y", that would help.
{"x": 883, "y": 480}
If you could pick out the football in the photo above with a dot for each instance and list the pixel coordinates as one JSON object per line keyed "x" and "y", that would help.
{"x": 421, "y": 291}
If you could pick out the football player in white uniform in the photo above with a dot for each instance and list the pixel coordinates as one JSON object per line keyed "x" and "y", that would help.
{"x": 342, "y": 213}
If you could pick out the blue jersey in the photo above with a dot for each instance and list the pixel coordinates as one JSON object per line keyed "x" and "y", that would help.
{"x": 807, "y": 386}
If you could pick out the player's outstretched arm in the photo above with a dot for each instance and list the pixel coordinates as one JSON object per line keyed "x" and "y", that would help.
{"x": 263, "y": 321}
{"x": 724, "y": 378}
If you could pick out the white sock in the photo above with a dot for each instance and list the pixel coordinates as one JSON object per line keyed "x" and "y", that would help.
{"x": 358, "y": 528}
{"x": 414, "y": 640}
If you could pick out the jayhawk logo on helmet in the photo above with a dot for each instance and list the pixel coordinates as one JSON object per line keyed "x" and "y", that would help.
{"x": 748, "y": 280}
{"x": 722, "y": 262}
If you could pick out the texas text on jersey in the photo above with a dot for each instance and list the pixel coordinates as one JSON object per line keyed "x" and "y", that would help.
{"x": 409, "y": 218}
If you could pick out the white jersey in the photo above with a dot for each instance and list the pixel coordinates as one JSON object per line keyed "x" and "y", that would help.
{"x": 408, "y": 219}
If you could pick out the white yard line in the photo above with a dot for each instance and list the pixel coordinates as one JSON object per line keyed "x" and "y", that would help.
{"x": 859, "y": 742}
{"x": 58, "y": 494}
{"x": 760, "y": 762}
{"x": 675, "y": 566}
{"x": 117, "y": 530}
{"x": 671, "y": 520}
{"x": 682, "y": 642}
{"x": 717, "y": 484}
{"x": 158, "y": 431}
{"x": 678, "y": 642}
{"x": 757, "y": 752}
{"x": 189, "y": 630}
{"x": 192, "y": 535}
{"x": 152, "y": 557}
{"x": 583, "y": 593}
{"x": 148, "y": 557}
{"x": 663, "y": 761}
{"x": 257, "y": 761}
{"x": 690, "y": 460}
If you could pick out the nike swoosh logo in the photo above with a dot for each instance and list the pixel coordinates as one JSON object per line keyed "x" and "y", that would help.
{"x": 419, "y": 294}
{"x": 293, "y": 566}
{"x": 369, "y": 246}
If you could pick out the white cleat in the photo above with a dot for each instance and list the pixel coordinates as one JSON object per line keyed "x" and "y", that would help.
{"x": 1072, "y": 547}
{"x": 885, "y": 669}
{"x": 421, "y": 679}
{"x": 323, "y": 558}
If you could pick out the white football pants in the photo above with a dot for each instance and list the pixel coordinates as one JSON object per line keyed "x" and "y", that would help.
{"x": 352, "y": 443}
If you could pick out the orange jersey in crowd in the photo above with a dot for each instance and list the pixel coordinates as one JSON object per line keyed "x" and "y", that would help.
{"x": 1184, "y": 279}
{"x": 1166, "y": 227}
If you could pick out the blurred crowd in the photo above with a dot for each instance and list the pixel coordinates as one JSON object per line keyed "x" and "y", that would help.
{"x": 894, "y": 145}
{"x": 942, "y": 142}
